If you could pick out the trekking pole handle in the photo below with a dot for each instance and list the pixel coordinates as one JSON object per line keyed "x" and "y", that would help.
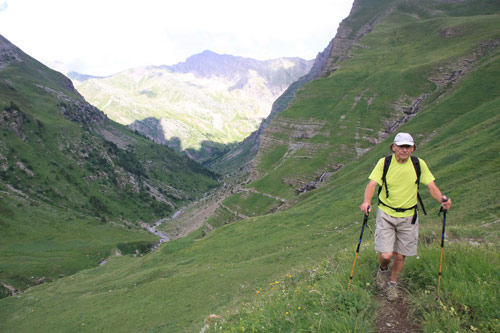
{"x": 442, "y": 209}
{"x": 365, "y": 220}
{"x": 368, "y": 211}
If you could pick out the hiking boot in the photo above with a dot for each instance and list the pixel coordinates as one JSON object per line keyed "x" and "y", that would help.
{"x": 392, "y": 291}
{"x": 382, "y": 278}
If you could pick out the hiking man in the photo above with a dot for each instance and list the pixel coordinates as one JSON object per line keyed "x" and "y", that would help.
{"x": 396, "y": 233}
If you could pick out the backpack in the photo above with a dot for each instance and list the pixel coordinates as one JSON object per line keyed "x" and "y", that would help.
{"x": 416, "y": 165}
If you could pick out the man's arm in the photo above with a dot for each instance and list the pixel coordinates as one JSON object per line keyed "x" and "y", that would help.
{"x": 367, "y": 199}
{"x": 438, "y": 196}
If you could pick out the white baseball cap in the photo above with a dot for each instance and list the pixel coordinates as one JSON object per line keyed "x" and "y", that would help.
{"x": 403, "y": 139}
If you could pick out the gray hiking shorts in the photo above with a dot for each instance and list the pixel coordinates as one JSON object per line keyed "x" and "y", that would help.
{"x": 396, "y": 234}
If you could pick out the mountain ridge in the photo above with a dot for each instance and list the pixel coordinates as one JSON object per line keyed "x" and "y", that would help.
{"x": 189, "y": 106}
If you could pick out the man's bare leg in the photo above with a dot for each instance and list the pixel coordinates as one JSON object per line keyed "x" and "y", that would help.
{"x": 385, "y": 259}
{"x": 397, "y": 266}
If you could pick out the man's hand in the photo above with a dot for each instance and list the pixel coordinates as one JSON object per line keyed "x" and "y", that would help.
{"x": 365, "y": 207}
{"x": 446, "y": 202}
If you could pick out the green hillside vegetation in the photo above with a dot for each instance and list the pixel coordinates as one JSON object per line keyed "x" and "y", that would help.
{"x": 73, "y": 184}
{"x": 289, "y": 270}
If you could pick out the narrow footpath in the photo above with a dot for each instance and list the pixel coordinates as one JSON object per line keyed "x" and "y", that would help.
{"x": 394, "y": 316}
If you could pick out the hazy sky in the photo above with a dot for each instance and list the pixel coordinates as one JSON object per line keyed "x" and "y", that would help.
{"x": 103, "y": 37}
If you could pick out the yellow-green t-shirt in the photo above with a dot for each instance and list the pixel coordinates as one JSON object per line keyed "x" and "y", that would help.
{"x": 401, "y": 178}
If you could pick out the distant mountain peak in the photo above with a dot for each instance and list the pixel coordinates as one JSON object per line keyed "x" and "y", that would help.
{"x": 207, "y": 53}
{"x": 209, "y": 63}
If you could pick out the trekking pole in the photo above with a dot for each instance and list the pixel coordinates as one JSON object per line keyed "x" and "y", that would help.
{"x": 442, "y": 243}
{"x": 357, "y": 250}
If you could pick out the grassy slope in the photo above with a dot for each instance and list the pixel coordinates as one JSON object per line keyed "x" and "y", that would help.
{"x": 76, "y": 197}
{"x": 388, "y": 72}
{"x": 175, "y": 288}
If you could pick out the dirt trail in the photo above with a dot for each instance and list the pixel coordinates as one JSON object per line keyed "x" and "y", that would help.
{"x": 195, "y": 215}
{"x": 394, "y": 316}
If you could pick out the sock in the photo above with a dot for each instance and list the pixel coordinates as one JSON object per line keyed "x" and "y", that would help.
{"x": 392, "y": 283}
{"x": 383, "y": 269}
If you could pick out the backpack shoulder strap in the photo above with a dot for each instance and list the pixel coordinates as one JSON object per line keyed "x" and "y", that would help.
{"x": 387, "y": 163}
{"x": 416, "y": 165}
{"x": 418, "y": 171}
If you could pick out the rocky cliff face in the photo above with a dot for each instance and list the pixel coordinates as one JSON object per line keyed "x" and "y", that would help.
{"x": 12, "y": 119}
{"x": 71, "y": 103}
{"x": 76, "y": 109}
{"x": 8, "y": 53}
{"x": 350, "y": 31}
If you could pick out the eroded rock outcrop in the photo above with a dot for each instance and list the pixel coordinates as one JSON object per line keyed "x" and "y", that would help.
{"x": 8, "y": 53}
{"x": 348, "y": 34}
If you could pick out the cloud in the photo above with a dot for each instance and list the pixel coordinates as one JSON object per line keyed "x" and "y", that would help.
{"x": 3, "y": 6}
{"x": 104, "y": 37}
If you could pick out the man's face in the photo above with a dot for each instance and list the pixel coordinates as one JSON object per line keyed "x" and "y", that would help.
{"x": 403, "y": 152}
